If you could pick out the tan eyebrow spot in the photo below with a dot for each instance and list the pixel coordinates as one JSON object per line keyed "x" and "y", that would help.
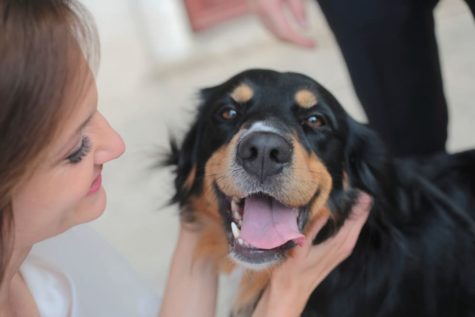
{"x": 242, "y": 93}
{"x": 305, "y": 98}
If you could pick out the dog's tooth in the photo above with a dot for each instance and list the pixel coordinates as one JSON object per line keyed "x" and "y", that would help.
{"x": 235, "y": 230}
{"x": 235, "y": 209}
{"x": 237, "y": 217}
{"x": 243, "y": 243}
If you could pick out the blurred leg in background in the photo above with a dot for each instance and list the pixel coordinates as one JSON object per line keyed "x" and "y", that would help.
{"x": 471, "y": 5}
{"x": 391, "y": 53}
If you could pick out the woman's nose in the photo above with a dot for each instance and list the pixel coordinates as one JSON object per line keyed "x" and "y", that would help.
{"x": 110, "y": 144}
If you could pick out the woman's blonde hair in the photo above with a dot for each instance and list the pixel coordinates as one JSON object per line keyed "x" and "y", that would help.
{"x": 42, "y": 44}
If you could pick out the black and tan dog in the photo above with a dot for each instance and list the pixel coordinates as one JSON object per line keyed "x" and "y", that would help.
{"x": 268, "y": 152}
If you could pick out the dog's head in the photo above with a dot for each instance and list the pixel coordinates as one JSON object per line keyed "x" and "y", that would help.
{"x": 267, "y": 153}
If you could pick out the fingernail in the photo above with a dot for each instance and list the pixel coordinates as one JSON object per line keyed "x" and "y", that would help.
{"x": 300, "y": 241}
{"x": 365, "y": 199}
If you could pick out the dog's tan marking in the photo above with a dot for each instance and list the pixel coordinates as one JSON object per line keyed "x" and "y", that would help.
{"x": 325, "y": 186}
{"x": 212, "y": 242}
{"x": 305, "y": 98}
{"x": 251, "y": 287}
{"x": 317, "y": 213}
{"x": 190, "y": 179}
{"x": 346, "y": 180}
{"x": 219, "y": 168}
{"x": 242, "y": 93}
{"x": 306, "y": 176}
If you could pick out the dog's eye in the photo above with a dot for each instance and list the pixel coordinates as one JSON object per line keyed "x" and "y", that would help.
{"x": 314, "y": 121}
{"x": 229, "y": 114}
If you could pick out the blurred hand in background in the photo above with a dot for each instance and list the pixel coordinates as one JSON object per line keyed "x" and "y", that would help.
{"x": 286, "y": 19}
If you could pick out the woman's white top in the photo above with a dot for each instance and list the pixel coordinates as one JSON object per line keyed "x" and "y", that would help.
{"x": 78, "y": 274}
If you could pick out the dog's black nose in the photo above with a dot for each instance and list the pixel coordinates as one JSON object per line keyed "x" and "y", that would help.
{"x": 264, "y": 153}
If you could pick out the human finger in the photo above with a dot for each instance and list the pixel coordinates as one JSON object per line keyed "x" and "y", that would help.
{"x": 273, "y": 16}
{"x": 356, "y": 221}
{"x": 357, "y": 218}
{"x": 286, "y": 32}
{"x": 297, "y": 8}
{"x": 345, "y": 240}
{"x": 316, "y": 226}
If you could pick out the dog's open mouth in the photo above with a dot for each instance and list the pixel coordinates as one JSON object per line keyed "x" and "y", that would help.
{"x": 260, "y": 228}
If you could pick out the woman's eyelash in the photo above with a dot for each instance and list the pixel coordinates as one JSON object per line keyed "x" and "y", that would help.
{"x": 82, "y": 151}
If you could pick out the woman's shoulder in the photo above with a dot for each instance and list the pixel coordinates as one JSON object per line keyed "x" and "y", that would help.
{"x": 52, "y": 291}
{"x": 103, "y": 283}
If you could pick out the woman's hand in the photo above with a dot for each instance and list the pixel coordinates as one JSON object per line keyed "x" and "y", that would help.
{"x": 192, "y": 284}
{"x": 293, "y": 282}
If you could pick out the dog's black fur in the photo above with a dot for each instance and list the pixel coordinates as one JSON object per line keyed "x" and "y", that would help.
{"x": 415, "y": 255}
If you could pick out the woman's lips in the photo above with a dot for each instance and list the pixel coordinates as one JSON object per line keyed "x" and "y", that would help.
{"x": 96, "y": 185}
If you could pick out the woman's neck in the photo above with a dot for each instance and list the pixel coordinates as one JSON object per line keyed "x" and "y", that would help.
{"x": 13, "y": 289}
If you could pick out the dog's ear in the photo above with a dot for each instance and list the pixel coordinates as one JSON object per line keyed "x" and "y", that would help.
{"x": 367, "y": 166}
{"x": 186, "y": 159}
{"x": 183, "y": 158}
{"x": 367, "y": 160}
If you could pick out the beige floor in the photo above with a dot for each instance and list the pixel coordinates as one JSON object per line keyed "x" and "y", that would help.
{"x": 145, "y": 99}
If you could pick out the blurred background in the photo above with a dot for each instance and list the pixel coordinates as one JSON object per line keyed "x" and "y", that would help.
{"x": 156, "y": 54}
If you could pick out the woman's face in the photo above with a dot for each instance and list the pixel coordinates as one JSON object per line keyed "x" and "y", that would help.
{"x": 66, "y": 189}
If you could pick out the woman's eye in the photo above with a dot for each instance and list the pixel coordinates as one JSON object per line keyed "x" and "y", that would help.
{"x": 80, "y": 152}
{"x": 314, "y": 121}
{"x": 229, "y": 114}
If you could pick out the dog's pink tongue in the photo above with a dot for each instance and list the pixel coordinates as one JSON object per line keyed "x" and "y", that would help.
{"x": 268, "y": 224}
